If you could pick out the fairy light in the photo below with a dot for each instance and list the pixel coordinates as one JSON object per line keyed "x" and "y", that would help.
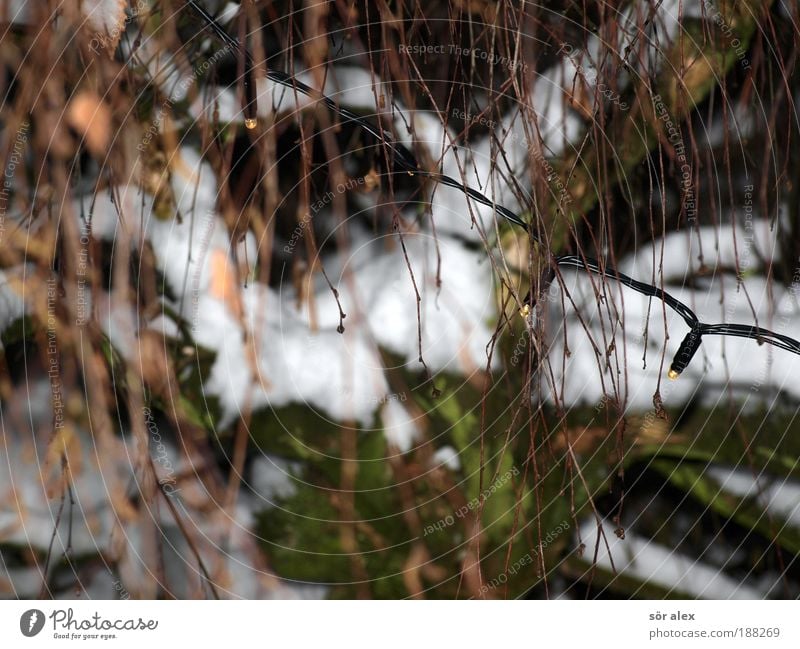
{"x": 687, "y": 349}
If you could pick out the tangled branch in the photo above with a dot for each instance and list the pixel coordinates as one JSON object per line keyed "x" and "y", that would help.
{"x": 405, "y": 161}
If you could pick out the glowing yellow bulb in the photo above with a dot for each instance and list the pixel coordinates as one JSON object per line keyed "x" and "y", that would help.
{"x": 250, "y": 122}
{"x": 525, "y": 311}
{"x": 672, "y": 374}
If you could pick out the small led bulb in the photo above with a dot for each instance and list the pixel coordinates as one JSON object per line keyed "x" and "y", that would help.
{"x": 672, "y": 374}
{"x": 525, "y": 311}
{"x": 250, "y": 123}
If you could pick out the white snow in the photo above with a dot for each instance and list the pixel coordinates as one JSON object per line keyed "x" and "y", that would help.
{"x": 339, "y": 374}
{"x": 12, "y": 286}
{"x": 17, "y": 12}
{"x": 105, "y": 16}
{"x": 447, "y": 456}
{"x": 642, "y": 559}
{"x": 781, "y": 498}
{"x": 399, "y": 425}
{"x": 271, "y": 478}
{"x": 285, "y": 359}
{"x": 30, "y": 495}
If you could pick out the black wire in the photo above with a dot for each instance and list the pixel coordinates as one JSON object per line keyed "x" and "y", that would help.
{"x": 406, "y": 161}
{"x": 756, "y": 333}
{"x": 472, "y": 193}
{"x": 647, "y": 289}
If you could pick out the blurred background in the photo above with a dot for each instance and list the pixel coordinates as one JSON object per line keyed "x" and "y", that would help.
{"x": 246, "y": 356}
